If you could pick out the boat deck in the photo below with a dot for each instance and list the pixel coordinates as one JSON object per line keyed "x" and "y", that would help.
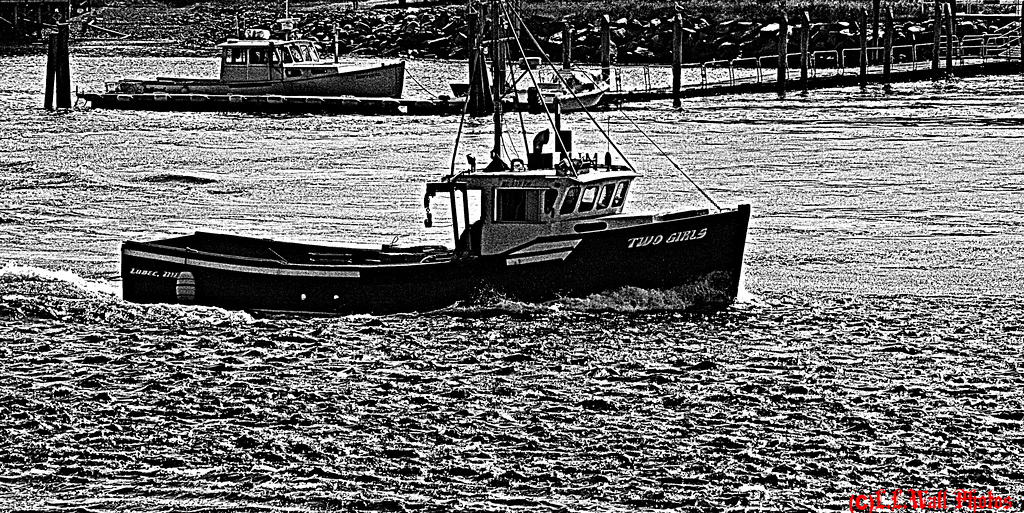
{"x": 294, "y": 253}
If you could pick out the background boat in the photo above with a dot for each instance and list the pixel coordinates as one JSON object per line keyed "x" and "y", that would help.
{"x": 263, "y": 66}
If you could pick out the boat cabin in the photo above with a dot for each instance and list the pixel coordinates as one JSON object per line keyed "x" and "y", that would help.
{"x": 246, "y": 60}
{"x": 520, "y": 202}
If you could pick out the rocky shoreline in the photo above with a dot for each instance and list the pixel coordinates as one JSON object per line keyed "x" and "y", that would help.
{"x": 440, "y": 31}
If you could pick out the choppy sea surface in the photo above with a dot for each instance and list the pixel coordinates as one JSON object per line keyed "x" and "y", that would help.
{"x": 877, "y": 344}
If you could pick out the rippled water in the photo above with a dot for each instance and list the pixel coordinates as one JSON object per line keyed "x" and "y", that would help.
{"x": 878, "y": 344}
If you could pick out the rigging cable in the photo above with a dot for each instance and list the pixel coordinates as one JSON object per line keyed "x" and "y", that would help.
{"x": 425, "y": 89}
{"x": 597, "y": 125}
{"x": 462, "y": 120}
{"x": 603, "y": 133}
{"x": 458, "y": 137}
{"x": 529, "y": 70}
{"x": 673, "y": 162}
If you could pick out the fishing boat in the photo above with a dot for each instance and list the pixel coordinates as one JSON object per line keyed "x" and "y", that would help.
{"x": 575, "y": 89}
{"x": 553, "y": 224}
{"x": 258, "y": 65}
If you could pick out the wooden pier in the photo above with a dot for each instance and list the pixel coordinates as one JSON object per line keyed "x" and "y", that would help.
{"x": 898, "y": 73}
{"x": 273, "y": 104}
{"x": 438, "y": 107}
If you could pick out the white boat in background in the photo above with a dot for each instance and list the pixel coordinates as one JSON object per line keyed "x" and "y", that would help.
{"x": 575, "y": 89}
{"x": 263, "y": 66}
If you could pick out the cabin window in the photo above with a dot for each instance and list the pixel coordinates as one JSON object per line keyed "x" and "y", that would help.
{"x": 605, "y": 198}
{"x": 307, "y": 53}
{"x": 550, "y": 196}
{"x": 287, "y": 55}
{"x": 258, "y": 56}
{"x": 569, "y": 203}
{"x": 235, "y": 55}
{"x": 296, "y": 54}
{"x": 518, "y": 205}
{"x": 620, "y": 194}
{"x": 589, "y": 196}
{"x": 275, "y": 55}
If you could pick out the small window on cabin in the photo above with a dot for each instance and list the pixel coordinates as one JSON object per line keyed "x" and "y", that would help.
{"x": 293, "y": 72}
{"x": 306, "y": 54}
{"x": 314, "y": 54}
{"x": 510, "y": 204}
{"x": 620, "y": 194}
{"x": 287, "y": 55}
{"x": 234, "y": 55}
{"x": 606, "y": 195}
{"x": 589, "y": 196}
{"x": 257, "y": 56}
{"x": 569, "y": 203}
{"x": 518, "y": 205}
{"x": 275, "y": 55}
{"x": 296, "y": 54}
{"x": 549, "y": 201}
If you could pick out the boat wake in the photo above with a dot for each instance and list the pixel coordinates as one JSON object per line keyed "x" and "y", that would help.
{"x": 701, "y": 296}
{"x": 35, "y": 293}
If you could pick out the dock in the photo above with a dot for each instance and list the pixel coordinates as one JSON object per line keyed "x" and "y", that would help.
{"x": 273, "y": 104}
{"x": 754, "y": 83}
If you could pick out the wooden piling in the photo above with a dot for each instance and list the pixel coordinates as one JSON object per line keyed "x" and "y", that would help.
{"x": 783, "y": 60}
{"x": 63, "y": 67}
{"x": 51, "y": 74}
{"x": 677, "y": 59}
{"x": 876, "y": 8}
{"x": 805, "y": 48}
{"x": 887, "y": 62}
{"x": 606, "y": 47}
{"x": 949, "y": 40}
{"x": 864, "y": 48}
{"x": 58, "y": 70}
{"x": 936, "y": 74}
{"x": 472, "y": 24}
{"x": 479, "y": 94}
{"x": 952, "y": 18}
{"x": 566, "y": 45}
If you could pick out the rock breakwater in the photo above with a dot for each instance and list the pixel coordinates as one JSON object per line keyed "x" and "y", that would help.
{"x": 441, "y": 31}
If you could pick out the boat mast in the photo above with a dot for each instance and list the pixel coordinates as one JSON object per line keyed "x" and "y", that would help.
{"x": 498, "y": 66}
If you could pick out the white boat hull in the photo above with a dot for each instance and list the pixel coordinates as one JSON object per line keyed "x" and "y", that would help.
{"x": 383, "y": 81}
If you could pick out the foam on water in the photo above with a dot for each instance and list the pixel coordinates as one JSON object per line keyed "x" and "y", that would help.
{"x": 11, "y": 272}
{"x": 27, "y": 291}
